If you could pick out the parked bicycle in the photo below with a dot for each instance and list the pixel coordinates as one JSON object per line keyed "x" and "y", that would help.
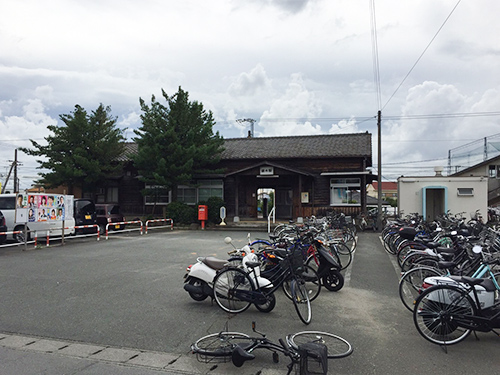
{"x": 235, "y": 289}
{"x": 449, "y": 311}
{"x": 309, "y": 350}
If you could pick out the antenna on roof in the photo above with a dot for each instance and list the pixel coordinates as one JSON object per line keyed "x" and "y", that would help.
{"x": 251, "y": 121}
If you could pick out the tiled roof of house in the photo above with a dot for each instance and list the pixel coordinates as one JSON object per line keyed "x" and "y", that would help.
{"x": 386, "y": 185}
{"x": 312, "y": 146}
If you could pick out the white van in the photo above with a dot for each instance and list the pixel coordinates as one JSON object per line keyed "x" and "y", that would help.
{"x": 40, "y": 224}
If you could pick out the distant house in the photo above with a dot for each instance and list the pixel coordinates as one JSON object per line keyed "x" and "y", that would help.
{"x": 389, "y": 189}
{"x": 309, "y": 175}
{"x": 491, "y": 169}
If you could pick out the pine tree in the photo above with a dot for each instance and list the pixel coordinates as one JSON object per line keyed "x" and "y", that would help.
{"x": 175, "y": 142}
{"x": 82, "y": 152}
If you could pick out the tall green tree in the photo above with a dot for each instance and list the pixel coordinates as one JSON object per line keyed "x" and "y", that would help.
{"x": 82, "y": 152}
{"x": 175, "y": 142}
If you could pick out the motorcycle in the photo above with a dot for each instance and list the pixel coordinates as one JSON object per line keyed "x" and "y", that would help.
{"x": 325, "y": 264}
{"x": 198, "y": 281}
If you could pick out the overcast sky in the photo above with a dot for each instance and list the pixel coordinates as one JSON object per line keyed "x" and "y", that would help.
{"x": 294, "y": 66}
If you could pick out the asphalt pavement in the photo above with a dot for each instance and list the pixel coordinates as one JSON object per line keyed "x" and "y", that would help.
{"x": 117, "y": 306}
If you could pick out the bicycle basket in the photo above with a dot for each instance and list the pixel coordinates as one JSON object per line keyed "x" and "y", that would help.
{"x": 313, "y": 359}
{"x": 296, "y": 259}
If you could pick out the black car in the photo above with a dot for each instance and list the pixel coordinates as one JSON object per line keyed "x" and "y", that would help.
{"x": 85, "y": 216}
{"x": 109, "y": 213}
{"x": 3, "y": 228}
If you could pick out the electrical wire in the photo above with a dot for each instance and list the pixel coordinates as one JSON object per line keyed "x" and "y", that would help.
{"x": 376, "y": 67}
{"x": 422, "y": 54}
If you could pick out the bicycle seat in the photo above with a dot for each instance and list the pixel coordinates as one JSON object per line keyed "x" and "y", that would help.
{"x": 239, "y": 356}
{"x": 251, "y": 264}
{"x": 485, "y": 283}
{"x": 442, "y": 249}
{"x": 214, "y": 263}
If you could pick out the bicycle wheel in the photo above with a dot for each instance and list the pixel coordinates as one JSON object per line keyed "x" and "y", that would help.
{"x": 313, "y": 283}
{"x": 350, "y": 240}
{"x": 441, "y": 312}
{"x": 218, "y": 344}
{"x": 410, "y": 259}
{"x": 338, "y": 347}
{"x": 300, "y": 299}
{"x": 341, "y": 252}
{"x": 407, "y": 249}
{"x": 232, "y": 290}
{"x": 269, "y": 305}
{"x": 411, "y": 284}
{"x": 260, "y": 245}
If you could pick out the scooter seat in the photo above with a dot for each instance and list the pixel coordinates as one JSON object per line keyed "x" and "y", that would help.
{"x": 214, "y": 263}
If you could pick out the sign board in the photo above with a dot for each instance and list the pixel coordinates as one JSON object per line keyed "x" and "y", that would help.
{"x": 304, "y": 197}
{"x": 223, "y": 215}
{"x": 43, "y": 207}
{"x": 266, "y": 171}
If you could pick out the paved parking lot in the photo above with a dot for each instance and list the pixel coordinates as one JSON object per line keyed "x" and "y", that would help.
{"x": 124, "y": 298}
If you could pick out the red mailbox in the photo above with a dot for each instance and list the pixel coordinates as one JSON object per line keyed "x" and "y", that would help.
{"x": 202, "y": 212}
{"x": 202, "y": 215}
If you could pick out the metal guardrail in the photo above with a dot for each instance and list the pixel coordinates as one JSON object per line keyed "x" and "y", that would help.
{"x": 124, "y": 230}
{"x": 97, "y": 233}
{"x": 160, "y": 226}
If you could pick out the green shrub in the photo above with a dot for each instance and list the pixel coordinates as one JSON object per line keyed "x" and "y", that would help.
{"x": 213, "y": 206}
{"x": 181, "y": 213}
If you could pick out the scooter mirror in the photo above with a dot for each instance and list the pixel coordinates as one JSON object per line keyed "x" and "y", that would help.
{"x": 228, "y": 240}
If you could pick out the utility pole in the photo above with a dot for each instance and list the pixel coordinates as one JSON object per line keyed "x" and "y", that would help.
{"x": 379, "y": 127}
{"x": 16, "y": 183}
{"x": 13, "y": 167}
{"x": 251, "y": 121}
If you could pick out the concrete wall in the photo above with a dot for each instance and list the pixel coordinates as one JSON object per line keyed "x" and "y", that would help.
{"x": 432, "y": 196}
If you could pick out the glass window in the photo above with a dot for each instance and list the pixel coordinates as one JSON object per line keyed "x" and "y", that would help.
{"x": 468, "y": 192}
{"x": 342, "y": 189}
{"x": 492, "y": 171}
{"x": 157, "y": 195}
{"x": 186, "y": 194}
{"x": 112, "y": 194}
{"x": 210, "y": 188}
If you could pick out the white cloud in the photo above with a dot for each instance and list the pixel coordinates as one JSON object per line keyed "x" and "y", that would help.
{"x": 249, "y": 84}
{"x": 285, "y": 112}
{"x": 279, "y": 62}
{"x": 344, "y": 127}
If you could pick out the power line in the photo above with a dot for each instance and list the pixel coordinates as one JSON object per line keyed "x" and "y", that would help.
{"x": 422, "y": 54}
{"x": 442, "y": 115}
{"x": 376, "y": 67}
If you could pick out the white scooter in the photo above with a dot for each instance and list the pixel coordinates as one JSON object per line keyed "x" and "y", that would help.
{"x": 199, "y": 277}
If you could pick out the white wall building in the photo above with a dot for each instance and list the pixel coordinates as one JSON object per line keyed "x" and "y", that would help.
{"x": 435, "y": 195}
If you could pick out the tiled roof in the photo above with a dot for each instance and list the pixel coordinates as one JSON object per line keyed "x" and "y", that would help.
{"x": 311, "y": 146}
{"x": 130, "y": 148}
{"x": 386, "y": 185}
{"x": 315, "y": 146}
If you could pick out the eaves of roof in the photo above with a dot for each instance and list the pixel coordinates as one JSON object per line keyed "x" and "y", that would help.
{"x": 272, "y": 164}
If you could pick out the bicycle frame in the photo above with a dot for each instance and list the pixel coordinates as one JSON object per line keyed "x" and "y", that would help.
{"x": 480, "y": 321}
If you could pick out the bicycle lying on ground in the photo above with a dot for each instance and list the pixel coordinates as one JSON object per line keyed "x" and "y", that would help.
{"x": 310, "y": 350}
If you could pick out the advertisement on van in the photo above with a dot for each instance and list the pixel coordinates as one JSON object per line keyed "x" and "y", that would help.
{"x": 35, "y": 208}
